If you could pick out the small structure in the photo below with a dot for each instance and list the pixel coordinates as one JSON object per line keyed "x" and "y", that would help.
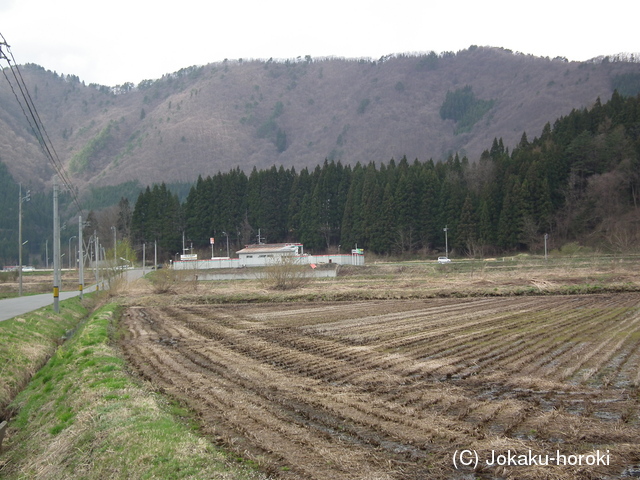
{"x": 262, "y": 254}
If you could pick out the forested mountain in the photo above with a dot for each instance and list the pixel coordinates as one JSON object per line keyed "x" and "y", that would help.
{"x": 578, "y": 181}
{"x": 296, "y": 113}
{"x": 324, "y": 150}
{"x": 37, "y": 220}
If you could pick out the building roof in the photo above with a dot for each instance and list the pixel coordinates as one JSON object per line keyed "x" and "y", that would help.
{"x": 270, "y": 248}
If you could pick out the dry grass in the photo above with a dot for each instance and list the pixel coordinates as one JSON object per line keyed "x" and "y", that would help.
{"x": 409, "y": 281}
{"x": 410, "y": 384}
{"x": 26, "y": 343}
{"x": 285, "y": 273}
{"x": 37, "y": 283}
{"x": 374, "y": 388}
{"x": 83, "y": 417}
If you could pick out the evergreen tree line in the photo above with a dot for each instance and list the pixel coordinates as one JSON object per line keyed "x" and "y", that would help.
{"x": 37, "y": 222}
{"x": 580, "y": 180}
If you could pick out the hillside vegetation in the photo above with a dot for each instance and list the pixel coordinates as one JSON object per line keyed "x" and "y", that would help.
{"x": 297, "y": 113}
{"x": 578, "y": 182}
{"x": 335, "y": 152}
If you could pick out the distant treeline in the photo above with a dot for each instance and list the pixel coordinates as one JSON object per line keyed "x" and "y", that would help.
{"x": 578, "y": 181}
{"x": 37, "y": 217}
{"x": 37, "y": 221}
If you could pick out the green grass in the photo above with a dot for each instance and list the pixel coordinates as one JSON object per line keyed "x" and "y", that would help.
{"x": 83, "y": 417}
{"x": 27, "y": 342}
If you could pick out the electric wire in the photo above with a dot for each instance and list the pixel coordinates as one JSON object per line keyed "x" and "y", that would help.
{"x": 33, "y": 118}
{"x": 37, "y": 126}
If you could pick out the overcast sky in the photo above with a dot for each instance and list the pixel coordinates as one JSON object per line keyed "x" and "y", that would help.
{"x": 117, "y": 41}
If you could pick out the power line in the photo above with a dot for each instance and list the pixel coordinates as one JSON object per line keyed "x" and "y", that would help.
{"x": 33, "y": 118}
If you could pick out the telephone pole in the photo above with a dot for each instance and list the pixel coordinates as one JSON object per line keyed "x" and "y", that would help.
{"x": 20, "y": 241}
{"x": 56, "y": 248}
{"x": 115, "y": 242}
{"x": 80, "y": 258}
{"x": 446, "y": 241}
{"x": 96, "y": 252}
{"x": 21, "y": 199}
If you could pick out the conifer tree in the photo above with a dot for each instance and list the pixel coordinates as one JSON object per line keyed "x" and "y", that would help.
{"x": 370, "y": 204}
{"x": 352, "y": 231}
{"x": 429, "y": 217}
{"x": 468, "y": 225}
{"x": 510, "y": 225}
{"x": 384, "y": 230}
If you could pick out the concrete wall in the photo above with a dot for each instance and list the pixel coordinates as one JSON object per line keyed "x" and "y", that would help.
{"x": 207, "y": 264}
{"x": 264, "y": 261}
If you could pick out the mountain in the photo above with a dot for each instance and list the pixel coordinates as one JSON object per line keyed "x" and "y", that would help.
{"x": 206, "y": 119}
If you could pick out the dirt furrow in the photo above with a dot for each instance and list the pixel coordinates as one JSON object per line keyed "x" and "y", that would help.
{"x": 360, "y": 390}
{"x": 254, "y": 416}
{"x": 562, "y": 342}
{"x": 262, "y": 408}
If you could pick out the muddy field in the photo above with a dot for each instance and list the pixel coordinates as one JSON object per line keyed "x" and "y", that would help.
{"x": 397, "y": 389}
{"x": 40, "y": 282}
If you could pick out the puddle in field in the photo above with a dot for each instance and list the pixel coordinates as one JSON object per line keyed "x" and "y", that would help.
{"x": 349, "y": 433}
{"x": 632, "y": 471}
{"x": 587, "y": 403}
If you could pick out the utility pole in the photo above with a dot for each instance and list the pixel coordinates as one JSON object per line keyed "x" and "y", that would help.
{"x": 104, "y": 259}
{"x": 69, "y": 249}
{"x": 115, "y": 241}
{"x": 446, "y": 242}
{"x": 80, "y": 258}
{"x": 21, "y": 199}
{"x": 56, "y": 248}
{"x": 96, "y": 253}
{"x": 546, "y": 237}
{"x": 20, "y": 240}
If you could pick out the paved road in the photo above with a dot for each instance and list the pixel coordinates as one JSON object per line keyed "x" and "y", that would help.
{"x": 12, "y": 307}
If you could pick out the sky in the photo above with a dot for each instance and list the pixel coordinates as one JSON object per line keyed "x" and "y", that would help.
{"x": 118, "y": 41}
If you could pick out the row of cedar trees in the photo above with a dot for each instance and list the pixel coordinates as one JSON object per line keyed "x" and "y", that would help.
{"x": 579, "y": 181}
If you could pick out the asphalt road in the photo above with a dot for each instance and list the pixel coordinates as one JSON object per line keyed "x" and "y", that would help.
{"x": 12, "y": 307}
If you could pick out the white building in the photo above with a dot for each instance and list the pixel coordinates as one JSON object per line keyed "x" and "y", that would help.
{"x": 264, "y": 254}
{"x": 261, "y": 254}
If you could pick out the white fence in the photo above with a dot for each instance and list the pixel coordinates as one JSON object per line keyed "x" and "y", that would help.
{"x": 224, "y": 262}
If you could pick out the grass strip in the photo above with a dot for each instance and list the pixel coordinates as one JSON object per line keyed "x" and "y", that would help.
{"x": 83, "y": 416}
{"x": 28, "y": 341}
{"x": 413, "y": 292}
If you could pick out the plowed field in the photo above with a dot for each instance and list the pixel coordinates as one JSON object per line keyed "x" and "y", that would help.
{"x": 392, "y": 389}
